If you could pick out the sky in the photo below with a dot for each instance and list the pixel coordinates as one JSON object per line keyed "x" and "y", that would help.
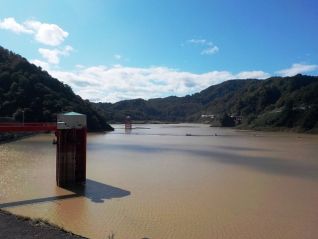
{"x": 112, "y": 50}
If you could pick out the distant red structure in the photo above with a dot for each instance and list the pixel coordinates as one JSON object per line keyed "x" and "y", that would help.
{"x": 128, "y": 124}
{"x": 71, "y": 133}
{"x": 27, "y": 127}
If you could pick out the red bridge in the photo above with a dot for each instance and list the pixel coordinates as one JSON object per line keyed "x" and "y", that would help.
{"x": 27, "y": 127}
{"x": 70, "y": 131}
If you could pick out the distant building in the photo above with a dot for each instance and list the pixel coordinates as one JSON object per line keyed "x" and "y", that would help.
{"x": 237, "y": 119}
{"x": 208, "y": 116}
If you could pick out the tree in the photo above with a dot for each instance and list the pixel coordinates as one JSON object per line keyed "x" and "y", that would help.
{"x": 227, "y": 121}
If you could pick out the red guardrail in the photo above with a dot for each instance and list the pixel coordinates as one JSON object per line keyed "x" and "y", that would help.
{"x": 27, "y": 127}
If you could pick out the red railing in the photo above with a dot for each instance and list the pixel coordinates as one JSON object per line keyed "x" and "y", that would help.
{"x": 27, "y": 127}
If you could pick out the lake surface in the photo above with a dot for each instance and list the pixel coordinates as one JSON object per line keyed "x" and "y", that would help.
{"x": 156, "y": 182}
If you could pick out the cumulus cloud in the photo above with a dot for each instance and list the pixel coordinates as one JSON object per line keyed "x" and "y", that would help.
{"x": 208, "y": 47}
{"x": 115, "y": 83}
{"x": 45, "y": 33}
{"x": 44, "y": 65}
{"x": 252, "y": 75}
{"x": 53, "y": 56}
{"x": 11, "y": 25}
{"x": 48, "y": 34}
{"x": 198, "y": 41}
{"x": 117, "y": 56}
{"x": 297, "y": 69}
{"x": 210, "y": 50}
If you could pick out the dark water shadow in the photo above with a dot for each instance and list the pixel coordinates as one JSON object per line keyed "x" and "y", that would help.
{"x": 236, "y": 148}
{"x": 95, "y": 191}
{"x": 157, "y": 149}
{"x": 125, "y": 147}
{"x": 37, "y": 200}
{"x": 269, "y": 165}
{"x": 229, "y": 155}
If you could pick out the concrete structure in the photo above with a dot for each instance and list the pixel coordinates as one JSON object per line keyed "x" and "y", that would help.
{"x": 71, "y": 120}
{"x": 70, "y": 131}
{"x": 71, "y": 148}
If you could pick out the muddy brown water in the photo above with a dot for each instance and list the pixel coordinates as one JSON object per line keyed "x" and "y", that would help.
{"x": 172, "y": 181}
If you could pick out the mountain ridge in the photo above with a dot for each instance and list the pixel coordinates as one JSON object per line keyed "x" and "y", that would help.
{"x": 273, "y": 103}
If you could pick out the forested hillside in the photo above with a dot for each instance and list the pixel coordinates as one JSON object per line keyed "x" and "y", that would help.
{"x": 24, "y": 86}
{"x": 278, "y": 102}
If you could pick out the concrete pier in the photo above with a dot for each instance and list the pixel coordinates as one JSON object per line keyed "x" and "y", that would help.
{"x": 71, "y": 149}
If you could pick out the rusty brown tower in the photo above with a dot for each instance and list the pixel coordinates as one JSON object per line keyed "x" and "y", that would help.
{"x": 71, "y": 148}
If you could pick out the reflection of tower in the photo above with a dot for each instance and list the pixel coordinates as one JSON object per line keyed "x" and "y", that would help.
{"x": 128, "y": 122}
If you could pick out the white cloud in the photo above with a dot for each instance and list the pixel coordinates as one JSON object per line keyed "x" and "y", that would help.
{"x": 80, "y": 66}
{"x": 210, "y": 50}
{"x": 45, "y": 33}
{"x": 208, "y": 47}
{"x": 117, "y": 56}
{"x": 252, "y": 75}
{"x": 11, "y": 25}
{"x": 44, "y": 65}
{"x": 115, "y": 83}
{"x": 198, "y": 41}
{"x": 53, "y": 56}
{"x": 48, "y": 34}
{"x": 297, "y": 69}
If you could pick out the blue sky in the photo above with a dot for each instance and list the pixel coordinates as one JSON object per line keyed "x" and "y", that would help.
{"x": 122, "y": 49}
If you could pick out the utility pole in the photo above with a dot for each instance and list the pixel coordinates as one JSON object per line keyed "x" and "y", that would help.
{"x": 23, "y": 117}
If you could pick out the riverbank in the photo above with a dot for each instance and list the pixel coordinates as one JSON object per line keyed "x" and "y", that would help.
{"x": 270, "y": 129}
{"x": 278, "y": 129}
{"x": 10, "y": 137}
{"x": 12, "y": 226}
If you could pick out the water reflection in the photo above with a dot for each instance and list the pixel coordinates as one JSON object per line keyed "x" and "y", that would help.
{"x": 128, "y": 131}
{"x": 225, "y": 155}
{"x": 95, "y": 191}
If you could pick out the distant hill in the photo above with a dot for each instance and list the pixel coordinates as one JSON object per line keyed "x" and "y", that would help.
{"x": 274, "y": 103}
{"x": 24, "y": 86}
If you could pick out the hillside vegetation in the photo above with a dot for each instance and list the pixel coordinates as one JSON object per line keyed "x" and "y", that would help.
{"x": 24, "y": 86}
{"x": 274, "y": 103}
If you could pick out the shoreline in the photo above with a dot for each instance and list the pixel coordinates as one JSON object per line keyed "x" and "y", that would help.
{"x": 278, "y": 130}
{"x": 12, "y": 137}
{"x": 238, "y": 127}
{"x": 6, "y": 138}
{"x": 20, "y": 227}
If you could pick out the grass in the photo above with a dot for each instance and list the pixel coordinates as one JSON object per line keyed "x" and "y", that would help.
{"x": 111, "y": 236}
